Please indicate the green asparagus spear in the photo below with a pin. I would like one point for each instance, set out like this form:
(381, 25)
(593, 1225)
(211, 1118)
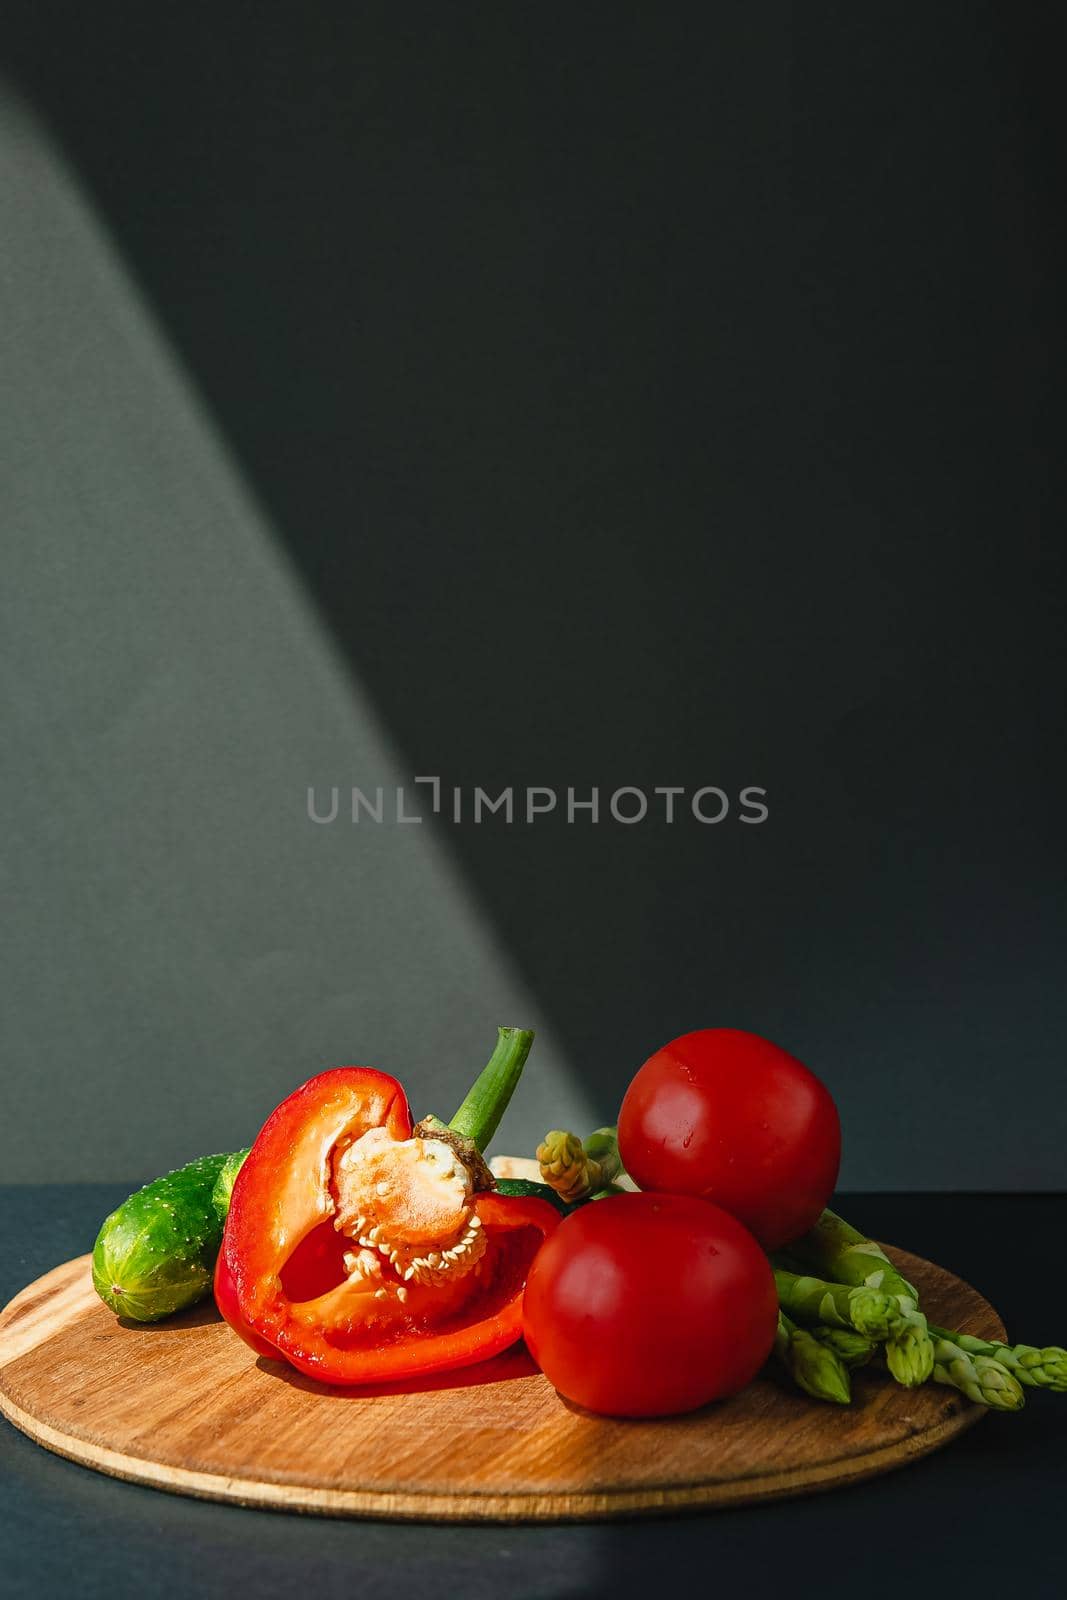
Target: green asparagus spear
(813, 1366)
(1037, 1369)
(844, 1255)
(909, 1350)
(578, 1168)
(563, 1165)
(868, 1311)
(853, 1348)
(980, 1377)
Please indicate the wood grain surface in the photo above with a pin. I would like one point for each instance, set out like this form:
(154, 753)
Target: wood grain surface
(183, 1405)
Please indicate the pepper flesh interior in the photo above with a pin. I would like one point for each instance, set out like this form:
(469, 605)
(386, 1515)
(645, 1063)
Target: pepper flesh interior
(412, 1202)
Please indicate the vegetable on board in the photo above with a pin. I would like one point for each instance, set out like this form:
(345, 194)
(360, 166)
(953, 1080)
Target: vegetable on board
(853, 1348)
(578, 1168)
(732, 1117)
(645, 1305)
(220, 1195)
(1036, 1368)
(813, 1364)
(526, 1189)
(982, 1379)
(868, 1311)
(156, 1253)
(839, 1252)
(361, 1248)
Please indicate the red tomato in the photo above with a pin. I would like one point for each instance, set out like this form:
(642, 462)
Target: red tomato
(730, 1116)
(644, 1305)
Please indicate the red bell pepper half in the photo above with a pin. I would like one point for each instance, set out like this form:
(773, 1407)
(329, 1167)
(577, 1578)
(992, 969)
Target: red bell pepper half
(359, 1250)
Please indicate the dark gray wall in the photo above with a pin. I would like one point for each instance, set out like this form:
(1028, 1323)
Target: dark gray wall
(656, 398)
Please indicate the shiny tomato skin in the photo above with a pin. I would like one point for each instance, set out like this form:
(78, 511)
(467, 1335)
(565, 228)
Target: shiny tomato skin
(734, 1118)
(646, 1305)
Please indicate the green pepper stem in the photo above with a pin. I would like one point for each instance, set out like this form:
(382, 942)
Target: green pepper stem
(479, 1116)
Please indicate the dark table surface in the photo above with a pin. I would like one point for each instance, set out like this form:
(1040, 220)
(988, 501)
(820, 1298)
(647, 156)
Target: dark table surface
(980, 1518)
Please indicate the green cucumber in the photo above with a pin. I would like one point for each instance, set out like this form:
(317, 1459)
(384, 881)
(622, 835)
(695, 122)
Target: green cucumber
(220, 1194)
(156, 1253)
(524, 1188)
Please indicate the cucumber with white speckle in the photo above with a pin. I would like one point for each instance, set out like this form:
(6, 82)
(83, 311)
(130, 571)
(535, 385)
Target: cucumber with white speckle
(220, 1195)
(156, 1253)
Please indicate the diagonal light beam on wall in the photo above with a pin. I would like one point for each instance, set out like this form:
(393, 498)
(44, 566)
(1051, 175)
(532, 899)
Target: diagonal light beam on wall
(182, 945)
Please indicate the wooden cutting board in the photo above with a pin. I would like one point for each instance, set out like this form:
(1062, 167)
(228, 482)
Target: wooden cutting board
(184, 1405)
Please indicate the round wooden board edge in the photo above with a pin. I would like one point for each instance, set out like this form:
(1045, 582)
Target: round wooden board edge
(573, 1506)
